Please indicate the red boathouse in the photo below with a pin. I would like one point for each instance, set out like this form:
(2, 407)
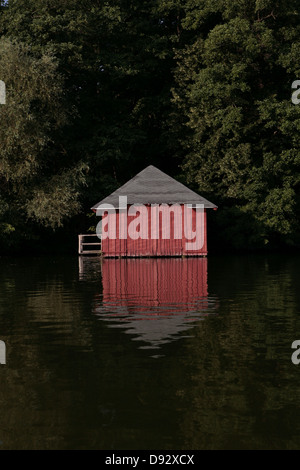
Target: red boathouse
(153, 215)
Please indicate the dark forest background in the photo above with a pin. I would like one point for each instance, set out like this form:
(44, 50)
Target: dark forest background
(98, 90)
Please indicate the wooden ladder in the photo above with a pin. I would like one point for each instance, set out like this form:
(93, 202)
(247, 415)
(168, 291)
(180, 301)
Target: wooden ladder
(82, 243)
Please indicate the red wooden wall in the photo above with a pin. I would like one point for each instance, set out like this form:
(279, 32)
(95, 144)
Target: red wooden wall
(120, 246)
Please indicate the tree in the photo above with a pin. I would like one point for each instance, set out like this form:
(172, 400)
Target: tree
(201, 82)
(36, 182)
(241, 129)
(115, 60)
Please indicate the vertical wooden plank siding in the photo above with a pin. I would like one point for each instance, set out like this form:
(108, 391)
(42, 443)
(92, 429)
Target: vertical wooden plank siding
(166, 244)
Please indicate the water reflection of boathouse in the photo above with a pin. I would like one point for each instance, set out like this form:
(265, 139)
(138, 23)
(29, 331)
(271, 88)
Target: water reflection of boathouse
(154, 299)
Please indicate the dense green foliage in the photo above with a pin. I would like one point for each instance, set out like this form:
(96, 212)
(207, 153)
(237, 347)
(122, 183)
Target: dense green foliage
(98, 90)
(233, 87)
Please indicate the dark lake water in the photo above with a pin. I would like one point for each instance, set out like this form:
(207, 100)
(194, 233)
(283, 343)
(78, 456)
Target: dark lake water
(150, 354)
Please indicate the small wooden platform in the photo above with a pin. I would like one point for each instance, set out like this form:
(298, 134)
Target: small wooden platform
(83, 242)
